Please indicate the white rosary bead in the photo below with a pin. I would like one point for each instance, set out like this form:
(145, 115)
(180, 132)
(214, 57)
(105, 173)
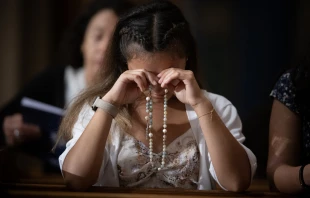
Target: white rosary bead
(149, 121)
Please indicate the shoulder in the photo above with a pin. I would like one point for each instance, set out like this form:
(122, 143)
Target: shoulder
(284, 83)
(285, 92)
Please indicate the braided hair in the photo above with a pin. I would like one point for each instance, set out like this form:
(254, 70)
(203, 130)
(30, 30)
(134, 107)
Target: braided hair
(158, 26)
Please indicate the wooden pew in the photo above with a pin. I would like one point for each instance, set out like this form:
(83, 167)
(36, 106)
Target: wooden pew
(44, 187)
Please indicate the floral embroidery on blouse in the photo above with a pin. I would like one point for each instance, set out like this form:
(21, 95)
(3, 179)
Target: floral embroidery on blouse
(285, 92)
(181, 166)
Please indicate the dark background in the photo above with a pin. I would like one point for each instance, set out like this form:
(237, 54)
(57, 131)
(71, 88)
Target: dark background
(243, 45)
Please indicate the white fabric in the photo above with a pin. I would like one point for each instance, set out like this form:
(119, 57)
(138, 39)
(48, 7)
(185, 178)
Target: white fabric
(74, 83)
(108, 175)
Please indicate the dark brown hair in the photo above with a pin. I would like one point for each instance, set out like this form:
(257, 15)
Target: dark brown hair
(157, 26)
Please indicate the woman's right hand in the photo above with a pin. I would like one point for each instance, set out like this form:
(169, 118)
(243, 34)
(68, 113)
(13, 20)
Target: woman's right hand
(129, 86)
(16, 131)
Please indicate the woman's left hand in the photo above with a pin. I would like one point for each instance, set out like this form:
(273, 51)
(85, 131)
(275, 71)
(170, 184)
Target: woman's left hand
(184, 85)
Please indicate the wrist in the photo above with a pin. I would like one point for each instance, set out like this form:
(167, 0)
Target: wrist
(306, 175)
(111, 100)
(105, 106)
(203, 107)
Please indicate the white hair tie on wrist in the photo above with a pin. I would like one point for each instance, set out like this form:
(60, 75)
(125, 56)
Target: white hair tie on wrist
(105, 106)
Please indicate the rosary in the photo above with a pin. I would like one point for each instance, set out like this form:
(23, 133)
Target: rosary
(149, 122)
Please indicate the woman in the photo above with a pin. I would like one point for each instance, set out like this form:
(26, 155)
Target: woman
(289, 132)
(82, 52)
(154, 126)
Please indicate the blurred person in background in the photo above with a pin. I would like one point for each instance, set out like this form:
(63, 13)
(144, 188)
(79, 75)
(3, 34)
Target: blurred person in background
(288, 167)
(81, 54)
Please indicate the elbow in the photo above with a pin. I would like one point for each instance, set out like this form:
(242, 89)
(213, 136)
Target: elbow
(239, 186)
(238, 182)
(77, 183)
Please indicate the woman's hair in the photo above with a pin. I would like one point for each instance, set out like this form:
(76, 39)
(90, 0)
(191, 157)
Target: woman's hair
(158, 26)
(70, 47)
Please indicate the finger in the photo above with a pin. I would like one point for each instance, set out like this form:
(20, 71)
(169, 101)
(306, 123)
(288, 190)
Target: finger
(30, 131)
(171, 76)
(163, 74)
(134, 76)
(153, 79)
(17, 118)
(6, 124)
(10, 124)
(139, 80)
(149, 76)
(16, 121)
(143, 78)
(179, 87)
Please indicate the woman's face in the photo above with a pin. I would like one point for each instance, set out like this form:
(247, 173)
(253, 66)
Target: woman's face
(97, 35)
(155, 63)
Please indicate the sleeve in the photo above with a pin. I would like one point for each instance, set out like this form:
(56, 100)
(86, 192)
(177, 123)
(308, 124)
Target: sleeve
(285, 92)
(230, 118)
(84, 118)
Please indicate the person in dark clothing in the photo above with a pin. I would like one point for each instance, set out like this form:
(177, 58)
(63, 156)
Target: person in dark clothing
(289, 134)
(81, 54)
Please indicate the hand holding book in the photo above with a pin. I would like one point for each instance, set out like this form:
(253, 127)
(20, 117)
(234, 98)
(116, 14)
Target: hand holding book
(17, 131)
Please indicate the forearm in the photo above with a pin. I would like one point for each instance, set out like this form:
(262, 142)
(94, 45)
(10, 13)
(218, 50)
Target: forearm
(84, 160)
(286, 178)
(229, 158)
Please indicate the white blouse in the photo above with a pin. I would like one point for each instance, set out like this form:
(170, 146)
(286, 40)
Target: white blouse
(109, 174)
(74, 83)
